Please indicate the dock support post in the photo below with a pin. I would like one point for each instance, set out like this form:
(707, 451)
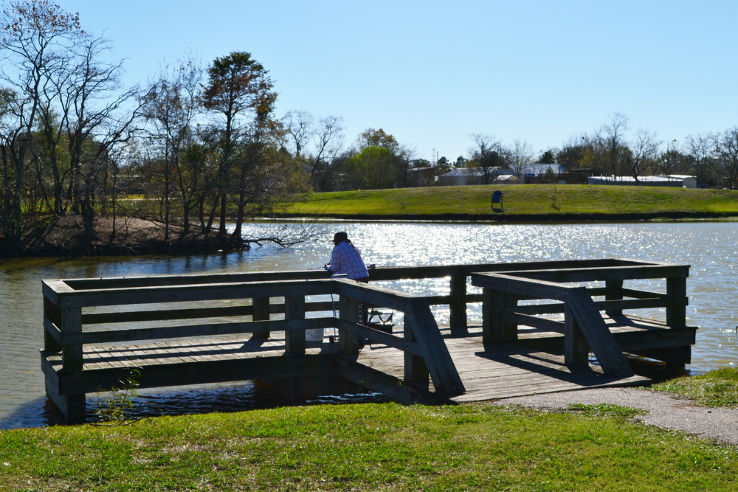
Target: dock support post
(74, 400)
(294, 310)
(614, 292)
(676, 317)
(349, 312)
(261, 313)
(576, 349)
(457, 305)
(416, 371)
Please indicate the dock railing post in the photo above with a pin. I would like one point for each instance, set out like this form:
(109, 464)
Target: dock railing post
(71, 330)
(576, 349)
(349, 312)
(496, 328)
(614, 292)
(261, 313)
(294, 310)
(416, 370)
(457, 304)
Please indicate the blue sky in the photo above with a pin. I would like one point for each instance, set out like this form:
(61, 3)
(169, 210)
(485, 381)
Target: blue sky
(432, 73)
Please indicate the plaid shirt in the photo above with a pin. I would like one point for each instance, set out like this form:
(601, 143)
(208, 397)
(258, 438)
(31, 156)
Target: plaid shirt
(345, 258)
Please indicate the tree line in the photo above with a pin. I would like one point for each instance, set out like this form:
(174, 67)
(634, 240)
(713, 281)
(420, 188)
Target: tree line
(377, 160)
(612, 150)
(206, 144)
(71, 137)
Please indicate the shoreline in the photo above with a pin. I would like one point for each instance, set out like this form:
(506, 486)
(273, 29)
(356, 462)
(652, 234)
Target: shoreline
(501, 217)
(130, 237)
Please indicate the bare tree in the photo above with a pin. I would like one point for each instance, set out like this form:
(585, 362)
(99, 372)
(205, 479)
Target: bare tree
(705, 162)
(672, 160)
(610, 143)
(100, 118)
(313, 146)
(521, 154)
(643, 151)
(327, 141)
(172, 104)
(298, 127)
(34, 35)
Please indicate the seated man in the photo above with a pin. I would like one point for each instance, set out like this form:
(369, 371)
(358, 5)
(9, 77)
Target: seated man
(346, 259)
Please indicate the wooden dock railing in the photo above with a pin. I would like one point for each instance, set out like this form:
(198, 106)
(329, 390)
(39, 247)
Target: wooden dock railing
(73, 339)
(458, 297)
(583, 325)
(86, 319)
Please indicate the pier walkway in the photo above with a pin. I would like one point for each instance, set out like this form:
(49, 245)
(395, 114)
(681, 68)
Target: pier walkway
(546, 326)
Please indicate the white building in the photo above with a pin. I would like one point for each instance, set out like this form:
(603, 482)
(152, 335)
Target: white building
(677, 180)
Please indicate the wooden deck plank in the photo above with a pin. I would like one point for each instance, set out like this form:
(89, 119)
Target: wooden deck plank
(183, 351)
(90, 359)
(509, 371)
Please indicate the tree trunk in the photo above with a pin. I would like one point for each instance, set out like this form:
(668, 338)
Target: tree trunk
(201, 212)
(237, 236)
(88, 221)
(211, 215)
(185, 215)
(166, 199)
(222, 226)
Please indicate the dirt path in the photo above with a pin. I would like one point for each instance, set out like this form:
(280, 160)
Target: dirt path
(664, 410)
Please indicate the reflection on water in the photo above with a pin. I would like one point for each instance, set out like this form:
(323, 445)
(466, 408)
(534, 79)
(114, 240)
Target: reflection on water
(709, 247)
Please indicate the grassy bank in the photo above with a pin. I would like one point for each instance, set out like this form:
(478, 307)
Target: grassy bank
(718, 388)
(368, 446)
(520, 200)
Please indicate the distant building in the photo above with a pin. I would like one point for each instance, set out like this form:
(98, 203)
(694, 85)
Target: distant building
(469, 176)
(677, 180)
(461, 176)
(530, 172)
(421, 176)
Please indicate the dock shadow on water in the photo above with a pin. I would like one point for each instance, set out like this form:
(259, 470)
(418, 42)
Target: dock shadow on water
(156, 402)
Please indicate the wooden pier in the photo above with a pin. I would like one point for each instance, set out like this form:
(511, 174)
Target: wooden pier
(542, 326)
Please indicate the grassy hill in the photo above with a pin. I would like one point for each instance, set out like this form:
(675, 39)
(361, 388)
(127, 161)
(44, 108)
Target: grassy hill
(564, 201)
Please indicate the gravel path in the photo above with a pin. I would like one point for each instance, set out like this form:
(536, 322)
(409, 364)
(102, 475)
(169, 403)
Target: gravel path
(664, 410)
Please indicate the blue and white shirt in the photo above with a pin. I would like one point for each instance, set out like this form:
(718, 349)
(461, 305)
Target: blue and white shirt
(346, 259)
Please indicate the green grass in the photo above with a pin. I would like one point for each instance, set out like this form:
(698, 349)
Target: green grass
(606, 410)
(519, 199)
(717, 388)
(367, 446)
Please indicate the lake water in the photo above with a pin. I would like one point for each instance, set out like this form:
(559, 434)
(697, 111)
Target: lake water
(709, 247)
